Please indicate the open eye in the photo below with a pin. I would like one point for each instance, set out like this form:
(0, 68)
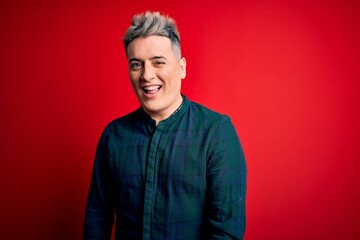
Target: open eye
(135, 65)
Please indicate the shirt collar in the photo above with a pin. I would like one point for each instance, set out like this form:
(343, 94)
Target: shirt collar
(175, 115)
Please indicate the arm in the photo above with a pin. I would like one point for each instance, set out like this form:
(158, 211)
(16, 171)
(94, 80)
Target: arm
(99, 216)
(226, 181)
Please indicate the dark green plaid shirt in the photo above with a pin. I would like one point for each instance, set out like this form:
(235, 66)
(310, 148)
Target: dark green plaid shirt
(182, 179)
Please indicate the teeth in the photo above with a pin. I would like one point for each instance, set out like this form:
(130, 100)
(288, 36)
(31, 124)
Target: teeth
(151, 88)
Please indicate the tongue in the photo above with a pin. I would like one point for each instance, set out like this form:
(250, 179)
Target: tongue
(152, 91)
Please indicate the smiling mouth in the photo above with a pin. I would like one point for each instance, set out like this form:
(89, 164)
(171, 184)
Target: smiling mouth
(151, 89)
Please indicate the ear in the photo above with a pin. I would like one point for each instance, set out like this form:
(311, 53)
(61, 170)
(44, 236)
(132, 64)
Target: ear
(182, 64)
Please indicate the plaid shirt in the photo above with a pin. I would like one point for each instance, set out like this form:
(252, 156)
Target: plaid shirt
(182, 179)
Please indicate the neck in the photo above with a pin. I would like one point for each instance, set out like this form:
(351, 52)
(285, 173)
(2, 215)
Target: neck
(160, 116)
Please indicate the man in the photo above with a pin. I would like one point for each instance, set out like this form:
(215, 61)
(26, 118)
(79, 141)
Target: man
(172, 169)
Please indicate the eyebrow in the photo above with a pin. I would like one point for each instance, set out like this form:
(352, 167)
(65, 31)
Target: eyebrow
(158, 57)
(134, 59)
(152, 58)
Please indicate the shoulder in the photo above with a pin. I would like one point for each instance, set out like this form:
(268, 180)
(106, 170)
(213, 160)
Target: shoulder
(217, 127)
(210, 122)
(123, 123)
(207, 116)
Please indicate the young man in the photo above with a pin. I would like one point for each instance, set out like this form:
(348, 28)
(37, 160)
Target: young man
(172, 169)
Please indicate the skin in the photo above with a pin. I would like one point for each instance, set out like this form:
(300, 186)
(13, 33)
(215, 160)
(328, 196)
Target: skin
(156, 74)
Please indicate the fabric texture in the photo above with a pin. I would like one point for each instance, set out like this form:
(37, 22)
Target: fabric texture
(182, 179)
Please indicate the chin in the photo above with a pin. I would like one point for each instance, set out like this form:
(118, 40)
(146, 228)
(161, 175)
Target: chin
(151, 109)
(149, 105)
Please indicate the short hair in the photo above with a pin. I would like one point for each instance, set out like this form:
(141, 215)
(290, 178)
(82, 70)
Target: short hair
(153, 23)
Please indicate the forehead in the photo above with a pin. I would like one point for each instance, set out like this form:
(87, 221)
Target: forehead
(146, 47)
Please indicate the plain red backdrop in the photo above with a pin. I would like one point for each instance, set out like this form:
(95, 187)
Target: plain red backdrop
(287, 72)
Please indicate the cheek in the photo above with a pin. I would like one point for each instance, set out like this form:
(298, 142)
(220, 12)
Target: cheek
(133, 79)
(173, 77)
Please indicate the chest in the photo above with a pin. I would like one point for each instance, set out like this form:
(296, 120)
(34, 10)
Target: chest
(173, 159)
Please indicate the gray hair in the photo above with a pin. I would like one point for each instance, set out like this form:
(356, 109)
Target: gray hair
(153, 23)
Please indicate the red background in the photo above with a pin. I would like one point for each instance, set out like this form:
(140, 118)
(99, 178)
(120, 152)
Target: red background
(287, 72)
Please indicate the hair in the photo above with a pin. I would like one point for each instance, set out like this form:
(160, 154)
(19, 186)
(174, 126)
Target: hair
(153, 23)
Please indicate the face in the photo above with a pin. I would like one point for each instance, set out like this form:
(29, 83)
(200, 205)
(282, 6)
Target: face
(155, 74)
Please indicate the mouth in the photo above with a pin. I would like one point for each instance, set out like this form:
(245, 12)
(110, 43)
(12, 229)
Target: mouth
(151, 89)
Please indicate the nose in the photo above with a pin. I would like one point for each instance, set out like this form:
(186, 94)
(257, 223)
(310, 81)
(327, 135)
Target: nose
(148, 72)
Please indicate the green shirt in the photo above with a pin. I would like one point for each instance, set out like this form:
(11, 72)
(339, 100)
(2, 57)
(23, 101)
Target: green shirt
(182, 179)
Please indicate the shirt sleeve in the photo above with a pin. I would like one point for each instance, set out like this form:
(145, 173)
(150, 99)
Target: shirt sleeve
(226, 184)
(99, 216)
